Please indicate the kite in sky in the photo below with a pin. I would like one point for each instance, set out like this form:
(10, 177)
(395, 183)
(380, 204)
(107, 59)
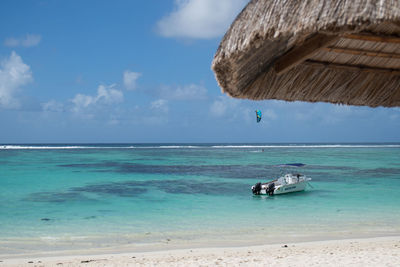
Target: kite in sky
(258, 113)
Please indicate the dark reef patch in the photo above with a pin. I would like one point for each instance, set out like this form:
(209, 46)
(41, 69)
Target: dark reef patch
(90, 217)
(225, 171)
(118, 189)
(55, 197)
(135, 188)
(379, 172)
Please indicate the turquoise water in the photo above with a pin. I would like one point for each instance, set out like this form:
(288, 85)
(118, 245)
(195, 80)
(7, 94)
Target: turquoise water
(76, 196)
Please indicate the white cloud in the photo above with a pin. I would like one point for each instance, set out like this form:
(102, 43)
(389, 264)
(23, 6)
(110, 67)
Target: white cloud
(130, 78)
(202, 19)
(14, 73)
(218, 108)
(159, 114)
(109, 96)
(27, 41)
(106, 95)
(270, 114)
(224, 104)
(160, 105)
(187, 92)
(53, 106)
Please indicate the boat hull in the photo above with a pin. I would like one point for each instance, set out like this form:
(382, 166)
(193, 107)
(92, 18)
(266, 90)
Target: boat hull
(283, 189)
(286, 184)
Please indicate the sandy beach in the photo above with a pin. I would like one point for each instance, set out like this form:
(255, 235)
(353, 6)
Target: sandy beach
(381, 251)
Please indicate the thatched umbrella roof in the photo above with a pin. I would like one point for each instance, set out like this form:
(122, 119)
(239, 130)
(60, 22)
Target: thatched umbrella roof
(337, 51)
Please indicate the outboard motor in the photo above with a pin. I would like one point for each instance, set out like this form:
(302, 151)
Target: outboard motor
(256, 189)
(270, 189)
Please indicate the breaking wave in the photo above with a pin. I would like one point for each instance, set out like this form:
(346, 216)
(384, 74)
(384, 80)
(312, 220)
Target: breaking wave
(197, 146)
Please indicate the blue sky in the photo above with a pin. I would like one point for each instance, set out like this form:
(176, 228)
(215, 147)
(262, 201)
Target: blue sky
(139, 71)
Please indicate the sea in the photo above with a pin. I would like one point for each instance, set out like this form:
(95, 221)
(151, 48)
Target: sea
(59, 197)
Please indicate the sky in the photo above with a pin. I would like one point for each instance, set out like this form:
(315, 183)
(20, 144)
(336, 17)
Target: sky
(140, 72)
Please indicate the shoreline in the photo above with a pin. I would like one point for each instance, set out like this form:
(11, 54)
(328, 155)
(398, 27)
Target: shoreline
(110, 244)
(355, 251)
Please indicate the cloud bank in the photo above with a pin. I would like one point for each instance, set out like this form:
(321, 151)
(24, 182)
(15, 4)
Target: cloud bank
(202, 19)
(14, 73)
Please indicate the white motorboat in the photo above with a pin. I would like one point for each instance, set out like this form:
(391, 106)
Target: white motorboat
(286, 184)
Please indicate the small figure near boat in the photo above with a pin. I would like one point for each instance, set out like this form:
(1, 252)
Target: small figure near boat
(286, 184)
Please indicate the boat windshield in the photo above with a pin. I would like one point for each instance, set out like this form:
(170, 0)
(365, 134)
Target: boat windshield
(290, 179)
(282, 181)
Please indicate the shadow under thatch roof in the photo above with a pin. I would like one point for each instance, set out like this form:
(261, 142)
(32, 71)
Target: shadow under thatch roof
(337, 51)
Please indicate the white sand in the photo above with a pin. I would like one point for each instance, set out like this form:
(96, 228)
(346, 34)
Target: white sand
(382, 251)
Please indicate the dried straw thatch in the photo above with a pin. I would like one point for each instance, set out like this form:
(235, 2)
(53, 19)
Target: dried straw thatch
(337, 51)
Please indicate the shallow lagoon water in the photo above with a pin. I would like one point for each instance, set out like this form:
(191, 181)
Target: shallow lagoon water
(76, 196)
